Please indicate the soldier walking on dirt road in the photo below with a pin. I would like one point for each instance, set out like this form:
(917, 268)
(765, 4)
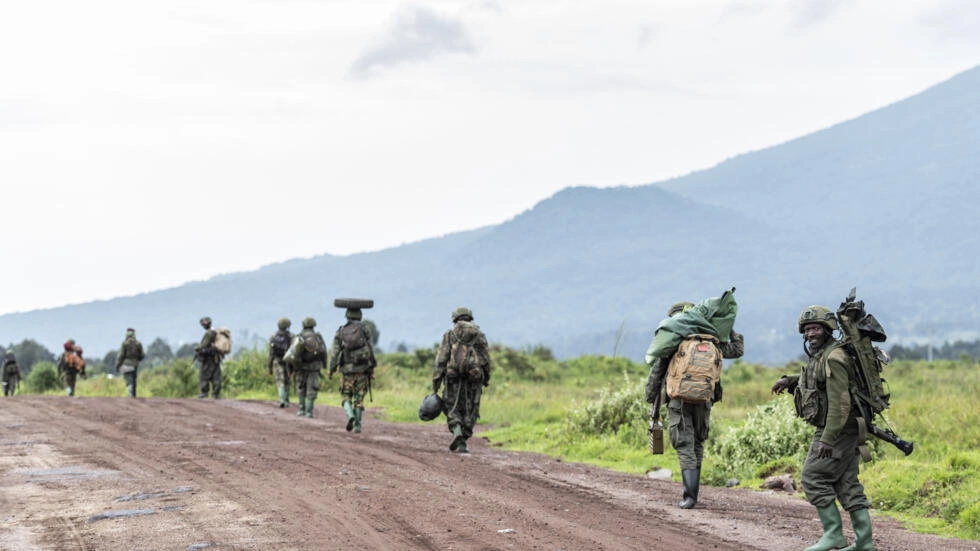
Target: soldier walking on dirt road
(353, 356)
(821, 395)
(210, 359)
(463, 362)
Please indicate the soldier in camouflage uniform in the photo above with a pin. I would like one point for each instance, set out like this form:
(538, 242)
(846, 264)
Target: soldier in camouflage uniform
(688, 423)
(463, 362)
(11, 373)
(128, 360)
(210, 360)
(70, 367)
(309, 356)
(822, 398)
(278, 346)
(353, 355)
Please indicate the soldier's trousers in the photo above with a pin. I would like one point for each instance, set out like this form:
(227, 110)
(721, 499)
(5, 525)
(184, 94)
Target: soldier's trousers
(825, 479)
(130, 379)
(10, 384)
(211, 377)
(462, 402)
(283, 373)
(688, 429)
(69, 377)
(307, 383)
(354, 387)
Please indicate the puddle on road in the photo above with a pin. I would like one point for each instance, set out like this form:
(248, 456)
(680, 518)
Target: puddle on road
(68, 473)
(124, 513)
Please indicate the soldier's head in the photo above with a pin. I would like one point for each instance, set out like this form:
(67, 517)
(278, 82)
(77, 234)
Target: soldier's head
(206, 322)
(130, 333)
(284, 324)
(678, 307)
(817, 325)
(462, 314)
(353, 314)
(69, 347)
(77, 349)
(309, 323)
(10, 356)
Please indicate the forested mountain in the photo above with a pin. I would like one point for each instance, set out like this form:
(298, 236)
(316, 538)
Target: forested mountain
(885, 202)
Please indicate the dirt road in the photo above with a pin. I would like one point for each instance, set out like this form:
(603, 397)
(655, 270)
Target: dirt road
(121, 474)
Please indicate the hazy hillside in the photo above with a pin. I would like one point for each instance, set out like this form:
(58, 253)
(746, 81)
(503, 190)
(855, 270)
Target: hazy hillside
(885, 202)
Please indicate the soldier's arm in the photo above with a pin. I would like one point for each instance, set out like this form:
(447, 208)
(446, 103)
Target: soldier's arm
(121, 355)
(483, 349)
(735, 346)
(335, 353)
(838, 396)
(655, 379)
(441, 360)
(139, 352)
(370, 345)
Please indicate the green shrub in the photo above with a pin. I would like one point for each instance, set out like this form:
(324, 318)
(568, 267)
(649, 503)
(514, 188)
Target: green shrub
(42, 378)
(177, 379)
(246, 374)
(608, 413)
(770, 433)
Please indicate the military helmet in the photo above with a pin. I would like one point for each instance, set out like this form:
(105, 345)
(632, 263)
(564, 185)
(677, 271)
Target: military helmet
(309, 323)
(205, 320)
(353, 314)
(678, 307)
(431, 407)
(284, 324)
(818, 314)
(462, 313)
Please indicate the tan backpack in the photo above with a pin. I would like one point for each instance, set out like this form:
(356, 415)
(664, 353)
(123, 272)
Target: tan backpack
(222, 341)
(694, 369)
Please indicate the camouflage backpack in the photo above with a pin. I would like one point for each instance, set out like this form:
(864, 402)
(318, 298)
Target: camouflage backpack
(354, 341)
(463, 358)
(313, 347)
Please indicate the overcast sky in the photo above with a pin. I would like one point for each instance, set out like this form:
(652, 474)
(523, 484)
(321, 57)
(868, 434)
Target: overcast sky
(146, 144)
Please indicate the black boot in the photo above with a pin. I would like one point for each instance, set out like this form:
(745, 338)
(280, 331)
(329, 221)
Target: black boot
(692, 483)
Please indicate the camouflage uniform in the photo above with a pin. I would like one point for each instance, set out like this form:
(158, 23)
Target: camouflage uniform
(463, 362)
(355, 366)
(307, 367)
(276, 365)
(11, 374)
(210, 360)
(821, 394)
(68, 372)
(128, 361)
(689, 424)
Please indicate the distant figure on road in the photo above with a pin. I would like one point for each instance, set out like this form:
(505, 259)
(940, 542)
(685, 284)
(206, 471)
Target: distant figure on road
(822, 398)
(70, 366)
(11, 373)
(353, 355)
(210, 360)
(128, 360)
(463, 362)
(278, 346)
(308, 354)
(687, 346)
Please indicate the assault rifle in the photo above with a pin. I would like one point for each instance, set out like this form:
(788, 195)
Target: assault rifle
(656, 430)
(860, 329)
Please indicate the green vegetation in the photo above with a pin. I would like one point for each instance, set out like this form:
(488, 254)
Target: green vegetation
(591, 409)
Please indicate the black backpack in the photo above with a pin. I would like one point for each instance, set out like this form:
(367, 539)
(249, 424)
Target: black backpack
(280, 343)
(353, 337)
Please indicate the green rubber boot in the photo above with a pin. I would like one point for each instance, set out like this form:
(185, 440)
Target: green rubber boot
(302, 405)
(861, 520)
(833, 536)
(349, 410)
(357, 419)
(457, 438)
(283, 397)
(461, 448)
(309, 408)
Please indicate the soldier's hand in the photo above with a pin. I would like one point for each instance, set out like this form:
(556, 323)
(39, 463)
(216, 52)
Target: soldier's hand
(781, 385)
(824, 450)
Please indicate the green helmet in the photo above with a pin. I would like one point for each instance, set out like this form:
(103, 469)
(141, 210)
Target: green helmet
(309, 323)
(206, 320)
(462, 313)
(353, 314)
(284, 324)
(818, 314)
(678, 307)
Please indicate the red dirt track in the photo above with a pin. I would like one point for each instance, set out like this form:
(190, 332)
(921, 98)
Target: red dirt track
(122, 474)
